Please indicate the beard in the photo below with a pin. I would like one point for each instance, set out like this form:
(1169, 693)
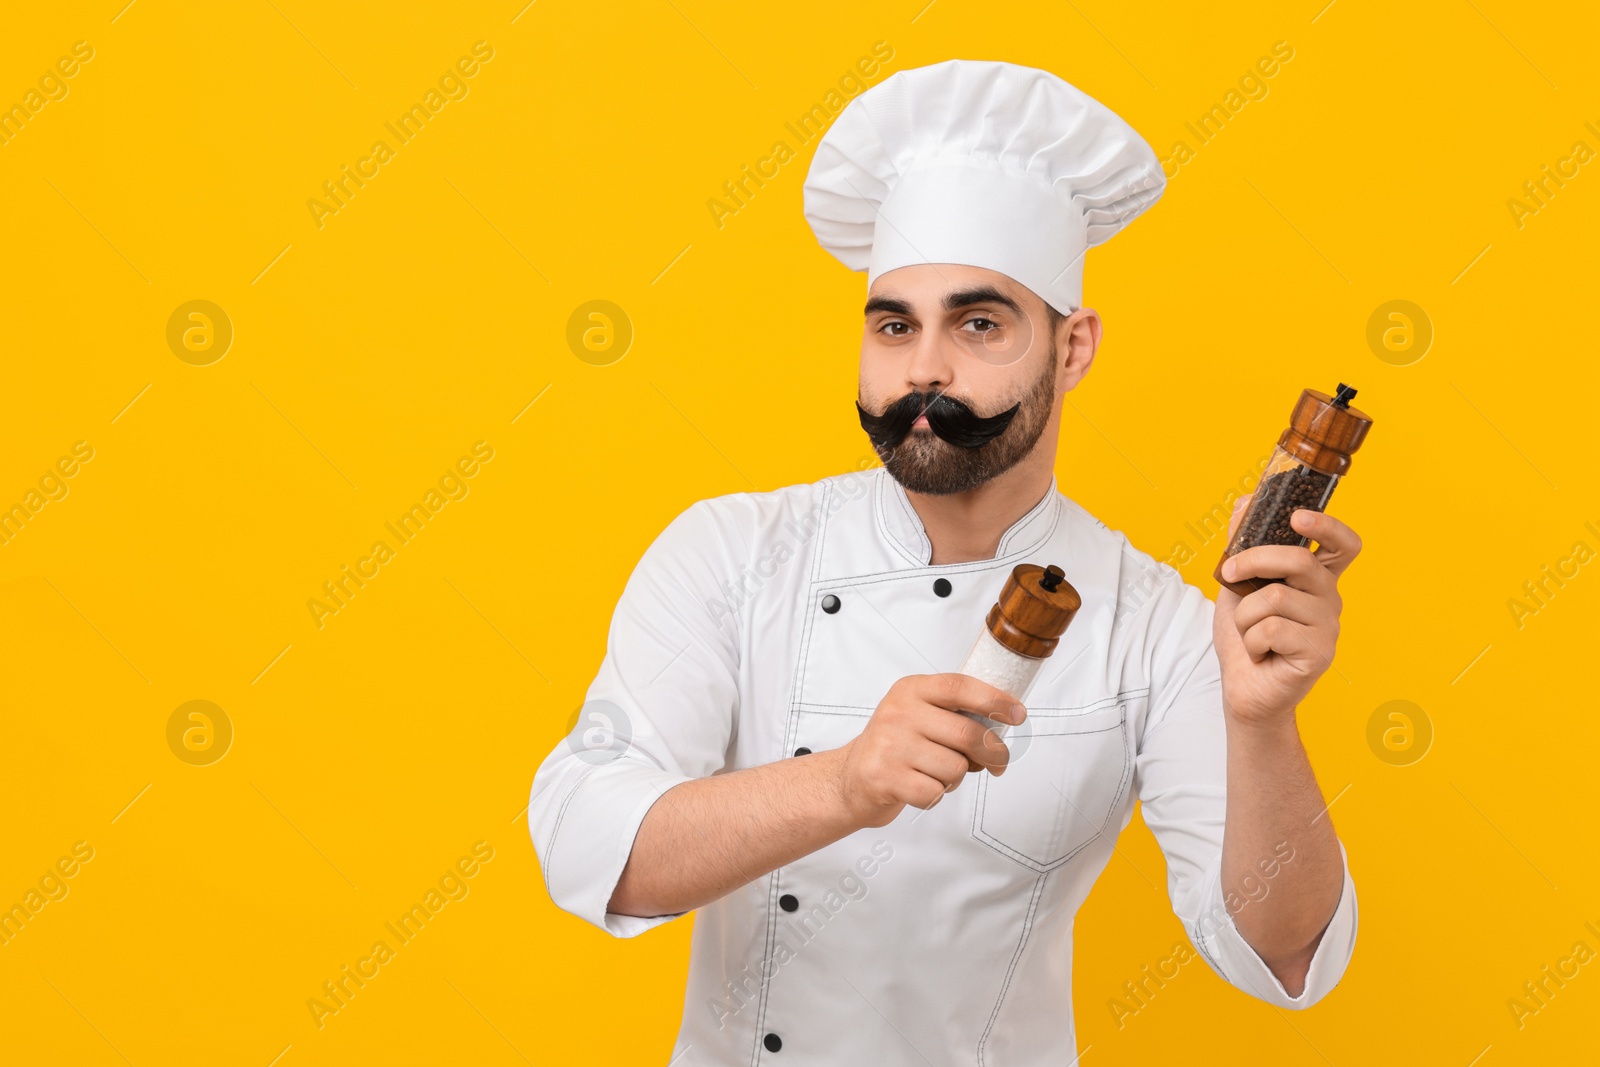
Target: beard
(923, 461)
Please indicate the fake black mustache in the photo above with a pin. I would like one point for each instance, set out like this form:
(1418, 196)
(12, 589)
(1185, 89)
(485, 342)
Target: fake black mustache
(948, 418)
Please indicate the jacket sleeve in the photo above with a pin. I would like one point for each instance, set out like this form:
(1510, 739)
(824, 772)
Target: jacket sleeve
(1181, 775)
(660, 711)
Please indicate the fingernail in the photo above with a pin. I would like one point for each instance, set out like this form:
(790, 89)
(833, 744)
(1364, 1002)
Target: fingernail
(1228, 569)
(1017, 712)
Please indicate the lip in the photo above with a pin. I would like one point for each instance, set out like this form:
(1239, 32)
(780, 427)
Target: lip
(921, 420)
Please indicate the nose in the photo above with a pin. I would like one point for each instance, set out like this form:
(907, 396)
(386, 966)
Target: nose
(930, 363)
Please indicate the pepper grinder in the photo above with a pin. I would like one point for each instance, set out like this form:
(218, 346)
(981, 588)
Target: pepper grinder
(1311, 457)
(1022, 629)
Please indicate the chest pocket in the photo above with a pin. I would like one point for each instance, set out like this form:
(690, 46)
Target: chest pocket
(1069, 773)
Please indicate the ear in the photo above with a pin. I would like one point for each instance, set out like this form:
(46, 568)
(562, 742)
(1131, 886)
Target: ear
(1077, 339)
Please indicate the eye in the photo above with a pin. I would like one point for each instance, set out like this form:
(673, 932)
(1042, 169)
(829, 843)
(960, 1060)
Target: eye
(980, 324)
(895, 328)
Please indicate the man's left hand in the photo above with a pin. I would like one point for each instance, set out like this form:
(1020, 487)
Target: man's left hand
(1274, 644)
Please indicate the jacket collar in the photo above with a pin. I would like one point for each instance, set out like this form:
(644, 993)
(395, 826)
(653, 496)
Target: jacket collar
(899, 524)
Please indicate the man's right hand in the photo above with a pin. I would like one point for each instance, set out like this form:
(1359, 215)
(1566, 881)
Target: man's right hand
(915, 748)
(708, 836)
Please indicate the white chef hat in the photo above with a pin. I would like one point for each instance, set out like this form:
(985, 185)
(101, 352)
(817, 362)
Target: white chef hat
(984, 164)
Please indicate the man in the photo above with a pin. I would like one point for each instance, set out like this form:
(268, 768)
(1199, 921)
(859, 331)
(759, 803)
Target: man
(772, 736)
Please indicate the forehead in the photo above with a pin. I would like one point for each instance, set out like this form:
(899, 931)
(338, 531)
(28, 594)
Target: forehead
(925, 284)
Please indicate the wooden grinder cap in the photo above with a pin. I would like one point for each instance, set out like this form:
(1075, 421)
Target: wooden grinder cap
(1034, 609)
(1324, 430)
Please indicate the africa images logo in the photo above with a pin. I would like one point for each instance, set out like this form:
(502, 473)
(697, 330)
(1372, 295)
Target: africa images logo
(599, 732)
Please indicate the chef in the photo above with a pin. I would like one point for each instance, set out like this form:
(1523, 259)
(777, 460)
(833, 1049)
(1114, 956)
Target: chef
(772, 738)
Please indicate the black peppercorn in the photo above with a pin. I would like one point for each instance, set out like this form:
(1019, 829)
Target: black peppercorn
(1311, 457)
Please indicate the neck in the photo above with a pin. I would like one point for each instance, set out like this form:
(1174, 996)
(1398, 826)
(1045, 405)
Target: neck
(965, 527)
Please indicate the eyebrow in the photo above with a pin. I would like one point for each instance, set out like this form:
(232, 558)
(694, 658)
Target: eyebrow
(884, 303)
(979, 294)
(954, 300)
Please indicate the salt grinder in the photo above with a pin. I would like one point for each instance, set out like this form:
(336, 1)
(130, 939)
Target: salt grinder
(1022, 629)
(1311, 456)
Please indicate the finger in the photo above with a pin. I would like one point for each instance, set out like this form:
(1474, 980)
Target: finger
(1337, 544)
(979, 744)
(973, 738)
(995, 754)
(1226, 601)
(1293, 604)
(1276, 635)
(936, 761)
(921, 785)
(1295, 565)
(962, 692)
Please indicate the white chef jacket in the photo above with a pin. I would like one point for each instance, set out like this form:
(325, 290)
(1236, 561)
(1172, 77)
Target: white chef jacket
(944, 937)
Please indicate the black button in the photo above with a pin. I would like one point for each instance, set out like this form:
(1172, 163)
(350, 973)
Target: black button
(802, 751)
(773, 1042)
(941, 587)
(830, 604)
(789, 902)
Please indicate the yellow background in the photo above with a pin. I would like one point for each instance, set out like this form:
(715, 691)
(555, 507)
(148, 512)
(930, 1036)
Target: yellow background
(431, 310)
